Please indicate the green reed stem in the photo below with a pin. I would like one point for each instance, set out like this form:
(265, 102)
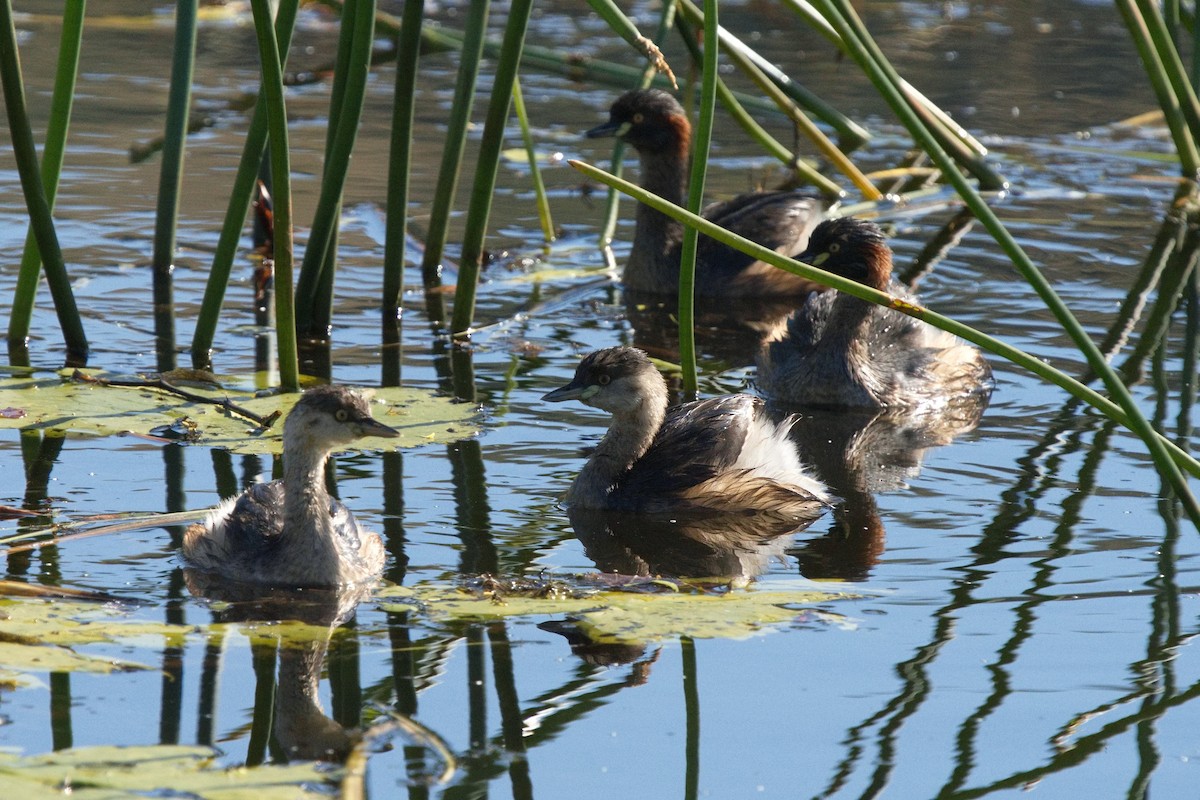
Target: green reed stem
(408, 54)
(851, 135)
(320, 327)
(729, 101)
(1184, 131)
(806, 126)
(666, 21)
(52, 159)
(883, 75)
(1002, 349)
(1172, 62)
(490, 145)
(314, 289)
(695, 201)
(40, 218)
(271, 96)
(170, 177)
(235, 212)
(809, 14)
(535, 172)
(456, 138)
(624, 27)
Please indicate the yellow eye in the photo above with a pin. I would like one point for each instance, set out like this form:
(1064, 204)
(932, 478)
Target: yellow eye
(603, 379)
(342, 415)
(834, 247)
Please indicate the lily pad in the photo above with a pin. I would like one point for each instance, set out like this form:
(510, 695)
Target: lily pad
(136, 772)
(39, 403)
(35, 635)
(616, 616)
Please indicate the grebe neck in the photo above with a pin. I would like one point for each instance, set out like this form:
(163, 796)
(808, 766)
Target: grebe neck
(655, 235)
(629, 437)
(306, 521)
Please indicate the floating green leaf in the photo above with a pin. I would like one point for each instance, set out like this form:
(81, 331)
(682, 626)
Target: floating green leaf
(68, 622)
(134, 772)
(35, 636)
(93, 408)
(616, 616)
(32, 657)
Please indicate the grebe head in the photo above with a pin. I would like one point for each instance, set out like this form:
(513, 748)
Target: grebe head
(328, 417)
(617, 380)
(853, 248)
(649, 119)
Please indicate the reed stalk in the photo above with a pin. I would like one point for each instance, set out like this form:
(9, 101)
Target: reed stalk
(240, 195)
(666, 21)
(408, 54)
(314, 289)
(170, 179)
(487, 166)
(53, 151)
(828, 149)
(802, 169)
(1004, 350)
(271, 95)
(702, 141)
(1160, 67)
(456, 139)
(40, 218)
(883, 75)
(535, 172)
(624, 27)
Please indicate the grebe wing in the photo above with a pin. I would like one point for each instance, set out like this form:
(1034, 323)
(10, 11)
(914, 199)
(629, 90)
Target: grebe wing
(256, 517)
(696, 441)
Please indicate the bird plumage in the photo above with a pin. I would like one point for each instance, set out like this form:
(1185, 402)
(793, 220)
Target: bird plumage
(292, 532)
(653, 122)
(721, 454)
(841, 351)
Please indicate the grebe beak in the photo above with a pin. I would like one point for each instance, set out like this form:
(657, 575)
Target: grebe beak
(373, 427)
(572, 391)
(610, 128)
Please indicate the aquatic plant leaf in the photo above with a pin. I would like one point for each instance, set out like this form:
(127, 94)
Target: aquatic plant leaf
(628, 616)
(70, 622)
(31, 657)
(12, 679)
(117, 772)
(35, 635)
(60, 403)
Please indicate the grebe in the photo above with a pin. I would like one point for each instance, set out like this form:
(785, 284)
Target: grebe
(292, 533)
(720, 454)
(840, 351)
(653, 122)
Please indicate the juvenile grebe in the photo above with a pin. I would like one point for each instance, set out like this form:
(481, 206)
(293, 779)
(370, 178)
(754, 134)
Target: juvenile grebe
(721, 454)
(292, 533)
(840, 351)
(654, 123)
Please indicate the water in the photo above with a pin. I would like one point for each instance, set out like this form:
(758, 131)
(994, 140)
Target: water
(1024, 618)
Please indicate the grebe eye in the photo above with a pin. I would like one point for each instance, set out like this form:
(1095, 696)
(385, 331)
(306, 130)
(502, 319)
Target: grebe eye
(638, 117)
(834, 247)
(603, 379)
(341, 415)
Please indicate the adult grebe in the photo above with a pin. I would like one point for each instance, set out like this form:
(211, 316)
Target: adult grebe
(721, 454)
(840, 351)
(654, 123)
(292, 533)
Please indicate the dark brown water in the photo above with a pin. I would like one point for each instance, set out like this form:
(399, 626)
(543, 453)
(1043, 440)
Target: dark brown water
(1026, 624)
